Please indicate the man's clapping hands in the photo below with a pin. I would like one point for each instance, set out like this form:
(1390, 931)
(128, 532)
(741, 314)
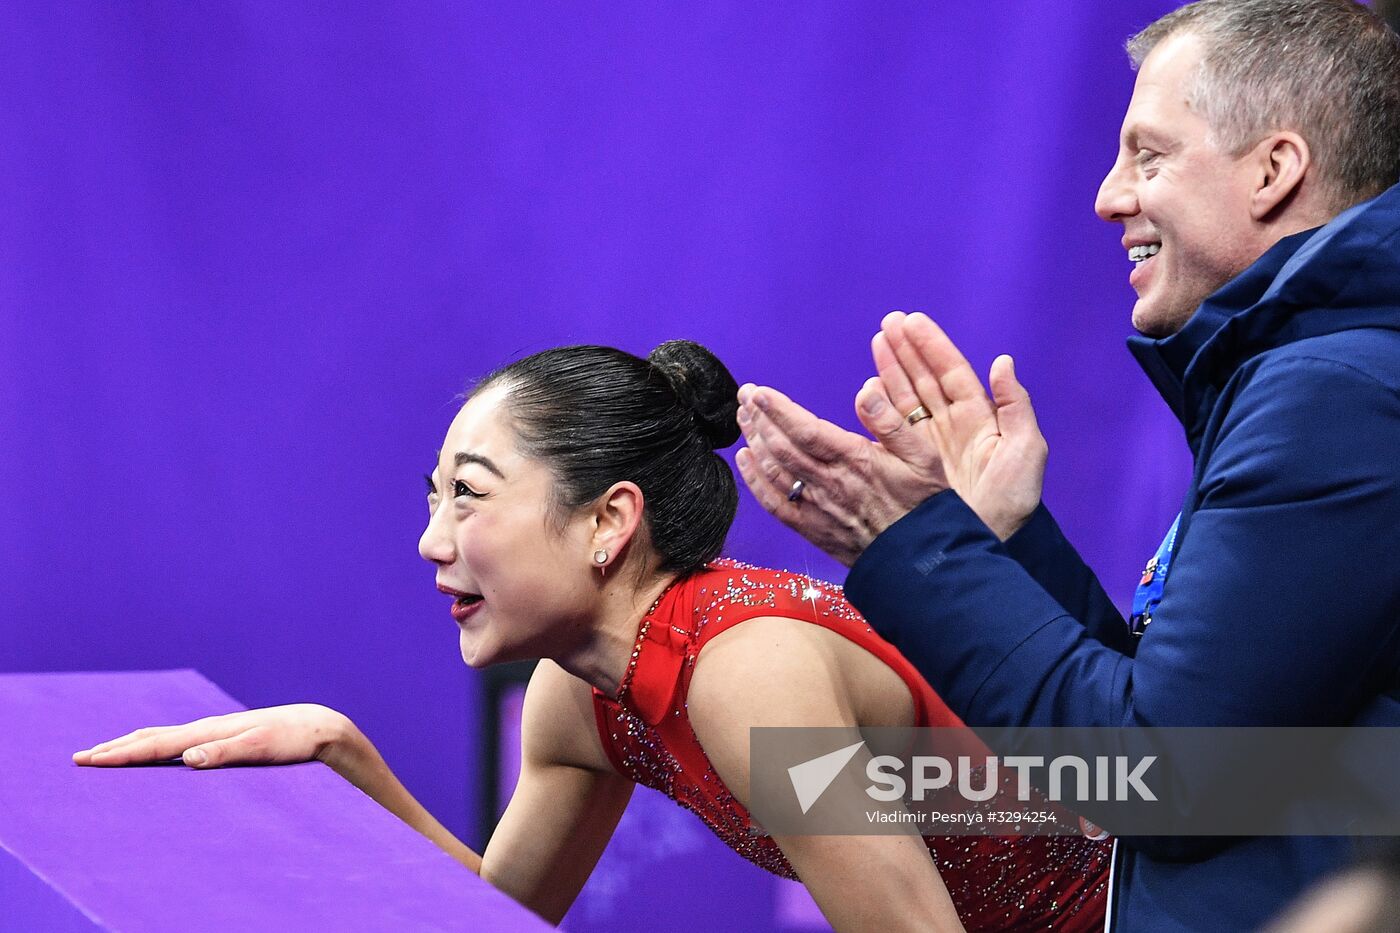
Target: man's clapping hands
(934, 428)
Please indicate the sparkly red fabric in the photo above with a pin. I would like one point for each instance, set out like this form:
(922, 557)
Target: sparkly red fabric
(996, 882)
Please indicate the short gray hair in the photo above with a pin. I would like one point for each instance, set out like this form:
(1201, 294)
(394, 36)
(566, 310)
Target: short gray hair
(1328, 70)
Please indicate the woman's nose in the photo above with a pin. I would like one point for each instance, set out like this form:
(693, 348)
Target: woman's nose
(436, 544)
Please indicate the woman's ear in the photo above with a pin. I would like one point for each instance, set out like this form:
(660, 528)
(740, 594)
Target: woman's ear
(616, 517)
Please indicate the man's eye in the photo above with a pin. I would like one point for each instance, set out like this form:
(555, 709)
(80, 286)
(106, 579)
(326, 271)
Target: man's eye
(460, 489)
(1146, 156)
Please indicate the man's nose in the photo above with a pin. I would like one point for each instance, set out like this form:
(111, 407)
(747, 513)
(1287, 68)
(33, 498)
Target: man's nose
(1117, 197)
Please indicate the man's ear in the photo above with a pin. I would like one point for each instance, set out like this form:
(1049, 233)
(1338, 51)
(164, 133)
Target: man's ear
(617, 515)
(1283, 161)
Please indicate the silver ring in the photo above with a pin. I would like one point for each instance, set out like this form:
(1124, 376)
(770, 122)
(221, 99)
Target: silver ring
(795, 492)
(917, 415)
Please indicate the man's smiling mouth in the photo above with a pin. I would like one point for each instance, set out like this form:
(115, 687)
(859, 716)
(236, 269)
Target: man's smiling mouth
(1140, 254)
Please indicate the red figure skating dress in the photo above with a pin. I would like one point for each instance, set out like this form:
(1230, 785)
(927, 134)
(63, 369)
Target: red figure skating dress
(996, 882)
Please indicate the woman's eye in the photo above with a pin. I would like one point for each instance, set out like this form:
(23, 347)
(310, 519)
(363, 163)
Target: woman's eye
(460, 489)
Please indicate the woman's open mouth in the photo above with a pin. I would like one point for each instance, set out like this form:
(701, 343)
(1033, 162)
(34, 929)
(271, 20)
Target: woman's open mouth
(463, 604)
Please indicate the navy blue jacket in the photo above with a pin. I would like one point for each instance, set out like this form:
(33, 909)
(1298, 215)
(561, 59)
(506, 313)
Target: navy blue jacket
(1282, 604)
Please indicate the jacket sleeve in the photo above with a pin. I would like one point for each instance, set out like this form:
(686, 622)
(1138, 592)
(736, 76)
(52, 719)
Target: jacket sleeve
(1281, 607)
(1042, 548)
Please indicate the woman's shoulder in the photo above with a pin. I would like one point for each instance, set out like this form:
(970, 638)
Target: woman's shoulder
(777, 670)
(798, 635)
(772, 671)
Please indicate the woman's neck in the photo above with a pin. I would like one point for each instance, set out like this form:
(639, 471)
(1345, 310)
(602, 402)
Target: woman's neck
(600, 659)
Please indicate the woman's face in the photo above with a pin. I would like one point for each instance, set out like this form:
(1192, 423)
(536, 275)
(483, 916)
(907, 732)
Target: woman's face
(522, 586)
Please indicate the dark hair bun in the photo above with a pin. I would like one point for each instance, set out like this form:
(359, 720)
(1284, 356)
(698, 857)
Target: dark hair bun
(599, 415)
(704, 385)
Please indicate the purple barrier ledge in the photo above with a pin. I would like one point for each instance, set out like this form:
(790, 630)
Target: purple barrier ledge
(168, 848)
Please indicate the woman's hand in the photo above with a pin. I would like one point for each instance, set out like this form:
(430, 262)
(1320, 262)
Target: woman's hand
(278, 735)
(281, 735)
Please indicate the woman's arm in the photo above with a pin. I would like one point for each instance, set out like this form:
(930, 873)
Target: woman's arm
(564, 809)
(783, 672)
(566, 804)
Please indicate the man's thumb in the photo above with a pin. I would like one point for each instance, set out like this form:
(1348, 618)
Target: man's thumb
(1015, 416)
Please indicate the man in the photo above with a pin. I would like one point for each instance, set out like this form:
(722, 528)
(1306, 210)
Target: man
(1253, 184)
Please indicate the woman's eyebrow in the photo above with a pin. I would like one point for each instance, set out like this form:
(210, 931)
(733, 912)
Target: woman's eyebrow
(463, 457)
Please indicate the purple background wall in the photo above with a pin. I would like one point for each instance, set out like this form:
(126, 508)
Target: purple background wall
(250, 252)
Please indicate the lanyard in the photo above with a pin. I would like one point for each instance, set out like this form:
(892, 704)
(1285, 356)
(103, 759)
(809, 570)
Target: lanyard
(1154, 578)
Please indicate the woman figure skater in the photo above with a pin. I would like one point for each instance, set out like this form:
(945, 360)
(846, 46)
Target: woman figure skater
(576, 514)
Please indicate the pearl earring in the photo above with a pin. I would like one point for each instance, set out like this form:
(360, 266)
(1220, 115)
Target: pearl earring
(600, 556)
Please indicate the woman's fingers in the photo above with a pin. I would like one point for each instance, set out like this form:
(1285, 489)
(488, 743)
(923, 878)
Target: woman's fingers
(250, 747)
(82, 756)
(158, 743)
(141, 741)
(276, 735)
(198, 749)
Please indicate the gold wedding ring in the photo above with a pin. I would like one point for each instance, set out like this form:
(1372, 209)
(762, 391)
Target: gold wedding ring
(917, 415)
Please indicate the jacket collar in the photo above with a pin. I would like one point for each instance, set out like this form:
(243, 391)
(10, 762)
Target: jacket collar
(1336, 277)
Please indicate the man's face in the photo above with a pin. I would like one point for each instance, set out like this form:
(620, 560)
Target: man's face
(1184, 205)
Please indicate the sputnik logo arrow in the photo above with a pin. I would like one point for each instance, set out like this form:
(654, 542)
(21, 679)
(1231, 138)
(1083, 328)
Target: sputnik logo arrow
(811, 778)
